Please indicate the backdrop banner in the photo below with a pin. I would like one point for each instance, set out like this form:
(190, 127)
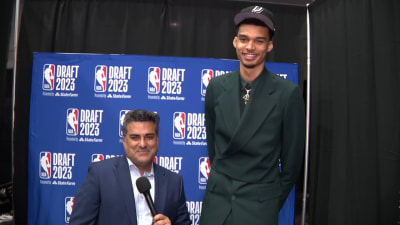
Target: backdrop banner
(78, 102)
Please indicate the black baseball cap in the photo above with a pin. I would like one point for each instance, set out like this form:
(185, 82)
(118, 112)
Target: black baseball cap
(256, 12)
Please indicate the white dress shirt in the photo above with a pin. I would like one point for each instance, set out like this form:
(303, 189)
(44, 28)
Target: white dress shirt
(143, 213)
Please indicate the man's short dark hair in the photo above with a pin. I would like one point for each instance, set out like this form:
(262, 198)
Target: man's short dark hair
(140, 115)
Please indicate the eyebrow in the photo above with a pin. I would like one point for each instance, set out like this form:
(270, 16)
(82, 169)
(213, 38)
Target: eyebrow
(243, 35)
(147, 134)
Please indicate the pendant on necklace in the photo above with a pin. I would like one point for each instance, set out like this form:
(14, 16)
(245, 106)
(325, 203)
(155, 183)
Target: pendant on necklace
(246, 97)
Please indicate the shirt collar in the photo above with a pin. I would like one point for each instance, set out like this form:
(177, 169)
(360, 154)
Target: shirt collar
(254, 83)
(134, 167)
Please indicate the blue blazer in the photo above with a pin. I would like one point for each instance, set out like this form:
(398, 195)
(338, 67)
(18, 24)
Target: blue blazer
(106, 195)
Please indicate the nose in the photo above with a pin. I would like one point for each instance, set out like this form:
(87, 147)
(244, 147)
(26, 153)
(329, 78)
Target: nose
(250, 45)
(142, 142)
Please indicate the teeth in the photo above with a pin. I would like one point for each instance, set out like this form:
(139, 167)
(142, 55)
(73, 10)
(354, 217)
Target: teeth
(250, 56)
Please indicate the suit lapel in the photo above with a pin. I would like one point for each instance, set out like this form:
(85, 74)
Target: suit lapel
(161, 189)
(229, 104)
(260, 105)
(121, 171)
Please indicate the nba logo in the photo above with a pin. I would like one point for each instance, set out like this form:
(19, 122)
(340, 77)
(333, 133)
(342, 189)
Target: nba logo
(204, 169)
(45, 165)
(97, 157)
(72, 122)
(153, 83)
(179, 125)
(206, 76)
(100, 80)
(155, 159)
(48, 77)
(69, 206)
(121, 121)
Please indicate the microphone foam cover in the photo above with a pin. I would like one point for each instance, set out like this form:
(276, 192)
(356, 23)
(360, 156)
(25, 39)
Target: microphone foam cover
(143, 184)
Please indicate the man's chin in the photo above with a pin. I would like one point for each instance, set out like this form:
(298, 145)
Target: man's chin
(144, 161)
(249, 66)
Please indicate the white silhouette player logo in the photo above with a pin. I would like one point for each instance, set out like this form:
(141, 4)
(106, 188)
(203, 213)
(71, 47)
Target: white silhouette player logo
(101, 78)
(205, 167)
(72, 120)
(154, 78)
(49, 76)
(206, 79)
(179, 124)
(45, 164)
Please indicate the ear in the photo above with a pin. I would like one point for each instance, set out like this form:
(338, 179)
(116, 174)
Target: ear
(270, 46)
(234, 41)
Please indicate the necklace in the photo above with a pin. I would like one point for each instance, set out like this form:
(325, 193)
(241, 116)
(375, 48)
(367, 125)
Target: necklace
(246, 97)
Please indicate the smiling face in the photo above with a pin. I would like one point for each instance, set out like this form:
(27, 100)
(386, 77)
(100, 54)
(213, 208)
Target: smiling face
(252, 44)
(141, 144)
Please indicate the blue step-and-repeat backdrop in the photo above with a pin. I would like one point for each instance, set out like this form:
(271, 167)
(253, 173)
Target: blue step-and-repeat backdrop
(78, 102)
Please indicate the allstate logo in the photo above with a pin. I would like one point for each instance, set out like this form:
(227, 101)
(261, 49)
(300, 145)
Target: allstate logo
(48, 77)
(100, 80)
(153, 83)
(204, 169)
(69, 206)
(179, 125)
(45, 165)
(72, 122)
(206, 76)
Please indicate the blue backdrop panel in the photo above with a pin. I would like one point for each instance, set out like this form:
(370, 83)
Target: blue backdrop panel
(78, 102)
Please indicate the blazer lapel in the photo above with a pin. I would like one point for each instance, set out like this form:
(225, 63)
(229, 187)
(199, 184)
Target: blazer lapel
(260, 105)
(123, 176)
(229, 104)
(161, 189)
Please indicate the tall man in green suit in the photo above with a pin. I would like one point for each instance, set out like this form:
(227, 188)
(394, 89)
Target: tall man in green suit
(255, 121)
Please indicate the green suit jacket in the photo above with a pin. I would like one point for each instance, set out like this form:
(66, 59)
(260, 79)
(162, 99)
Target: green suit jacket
(245, 150)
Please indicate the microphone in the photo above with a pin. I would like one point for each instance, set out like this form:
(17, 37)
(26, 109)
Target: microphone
(143, 185)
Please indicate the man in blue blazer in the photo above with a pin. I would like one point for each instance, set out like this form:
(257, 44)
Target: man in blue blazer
(109, 195)
(255, 126)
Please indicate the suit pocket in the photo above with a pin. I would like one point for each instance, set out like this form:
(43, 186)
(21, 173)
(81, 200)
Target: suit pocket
(218, 183)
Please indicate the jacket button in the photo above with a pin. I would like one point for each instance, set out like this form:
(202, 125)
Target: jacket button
(233, 197)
